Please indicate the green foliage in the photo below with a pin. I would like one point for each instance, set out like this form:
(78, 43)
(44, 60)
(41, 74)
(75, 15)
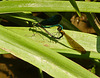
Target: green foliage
(91, 19)
(75, 6)
(42, 57)
(53, 6)
(48, 54)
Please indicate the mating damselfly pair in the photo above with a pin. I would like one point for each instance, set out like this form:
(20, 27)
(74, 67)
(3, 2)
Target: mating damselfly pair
(52, 22)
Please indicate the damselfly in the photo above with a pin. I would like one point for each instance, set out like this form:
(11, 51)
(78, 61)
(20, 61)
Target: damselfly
(52, 22)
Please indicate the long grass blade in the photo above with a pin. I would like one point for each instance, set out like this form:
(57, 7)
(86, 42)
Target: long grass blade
(44, 58)
(89, 42)
(52, 6)
(91, 19)
(75, 6)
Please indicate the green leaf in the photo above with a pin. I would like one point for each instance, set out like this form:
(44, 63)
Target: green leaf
(91, 19)
(18, 22)
(3, 51)
(44, 58)
(89, 42)
(51, 6)
(75, 6)
(22, 19)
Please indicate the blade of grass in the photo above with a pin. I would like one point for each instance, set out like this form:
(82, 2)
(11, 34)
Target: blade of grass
(40, 73)
(87, 0)
(26, 17)
(75, 6)
(49, 61)
(66, 52)
(75, 54)
(71, 53)
(51, 6)
(3, 51)
(18, 22)
(21, 17)
(88, 41)
(91, 19)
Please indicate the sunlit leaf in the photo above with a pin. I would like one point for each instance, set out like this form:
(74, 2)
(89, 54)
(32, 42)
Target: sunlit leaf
(44, 58)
